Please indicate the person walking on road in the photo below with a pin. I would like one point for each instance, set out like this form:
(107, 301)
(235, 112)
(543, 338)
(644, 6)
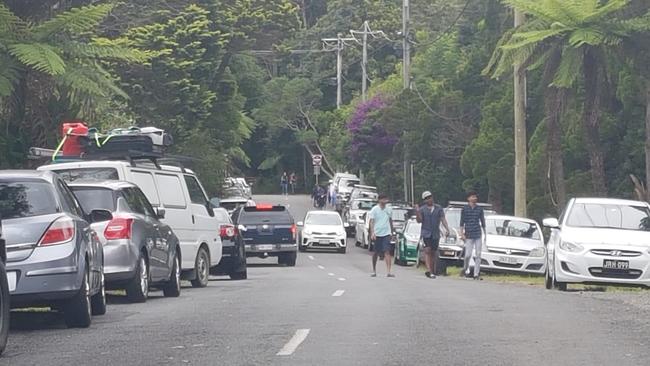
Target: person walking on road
(430, 216)
(284, 181)
(381, 232)
(472, 224)
(332, 194)
(292, 181)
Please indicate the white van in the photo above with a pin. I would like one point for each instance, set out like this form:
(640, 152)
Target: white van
(175, 190)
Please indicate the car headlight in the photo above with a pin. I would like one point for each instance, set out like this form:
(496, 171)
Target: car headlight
(570, 247)
(306, 232)
(538, 252)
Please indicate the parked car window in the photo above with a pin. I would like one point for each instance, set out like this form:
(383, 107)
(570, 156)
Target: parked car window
(611, 216)
(134, 202)
(316, 219)
(145, 181)
(94, 198)
(196, 193)
(362, 205)
(512, 228)
(144, 202)
(26, 199)
(69, 202)
(171, 190)
(70, 175)
(222, 216)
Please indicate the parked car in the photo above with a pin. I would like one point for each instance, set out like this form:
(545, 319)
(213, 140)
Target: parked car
(450, 250)
(408, 242)
(513, 244)
(322, 230)
(362, 239)
(354, 210)
(401, 214)
(173, 189)
(237, 187)
(140, 251)
(233, 259)
(268, 231)
(343, 185)
(361, 191)
(232, 203)
(4, 294)
(599, 241)
(54, 258)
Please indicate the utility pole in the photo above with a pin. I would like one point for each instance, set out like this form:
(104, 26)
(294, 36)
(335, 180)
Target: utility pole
(340, 43)
(365, 32)
(406, 45)
(520, 131)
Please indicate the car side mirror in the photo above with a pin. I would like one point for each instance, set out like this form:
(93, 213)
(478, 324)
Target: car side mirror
(345, 224)
(160, 213)
(242, 228)
(300, 223)
(551, 222)
(100, 215)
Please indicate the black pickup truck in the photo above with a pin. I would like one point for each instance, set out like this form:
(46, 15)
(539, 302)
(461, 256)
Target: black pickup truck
(268, 231)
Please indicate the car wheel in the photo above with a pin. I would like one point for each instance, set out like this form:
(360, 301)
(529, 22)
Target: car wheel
(548, 281)
(562, 286)
(4, 308)
(302, 248)
(202, 269)
(173, 287)
(289, 259)
(240, 275)
(137, 290)
(77, 312)
(98, 301)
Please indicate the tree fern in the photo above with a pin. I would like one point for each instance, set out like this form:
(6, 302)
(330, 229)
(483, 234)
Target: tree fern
(39, 56)
(75, 21)
(9, 74)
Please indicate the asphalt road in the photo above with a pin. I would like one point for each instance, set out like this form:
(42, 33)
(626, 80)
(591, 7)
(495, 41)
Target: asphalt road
(328, 311)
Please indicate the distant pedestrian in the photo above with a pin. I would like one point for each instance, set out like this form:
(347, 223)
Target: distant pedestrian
(431, 216)
(292, 181)
(332, 194)
(472, 224)
(381, 233)
(314, 195)
(284, 181)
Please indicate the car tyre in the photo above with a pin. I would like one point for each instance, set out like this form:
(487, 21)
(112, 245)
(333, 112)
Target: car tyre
(288, 259)
(241, 271)
(137, 290)
(98, 301)
(302, 248)
(202, 269)
(548, 280)
(173, 287)
(77, 312)
(4, 308)
(562, 286)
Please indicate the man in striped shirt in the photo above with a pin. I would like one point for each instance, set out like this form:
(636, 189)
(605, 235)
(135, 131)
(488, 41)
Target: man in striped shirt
(472, 224)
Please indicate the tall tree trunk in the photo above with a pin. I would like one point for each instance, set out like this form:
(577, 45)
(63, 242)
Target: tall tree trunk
(520, 139)
(647, 136)
(591, 121)
(303, 11)
(554, 105)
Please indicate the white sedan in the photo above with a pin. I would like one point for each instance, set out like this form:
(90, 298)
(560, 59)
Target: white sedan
(600, 241)
(322, 230)
(513, 244)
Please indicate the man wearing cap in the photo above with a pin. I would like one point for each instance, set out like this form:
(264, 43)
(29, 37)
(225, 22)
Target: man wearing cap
(472, 223)
(430, 216)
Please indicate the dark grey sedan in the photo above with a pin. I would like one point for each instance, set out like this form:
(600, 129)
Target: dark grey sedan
(140, 251)
(54, 258)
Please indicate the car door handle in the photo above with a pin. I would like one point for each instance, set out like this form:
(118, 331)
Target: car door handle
(193, 221)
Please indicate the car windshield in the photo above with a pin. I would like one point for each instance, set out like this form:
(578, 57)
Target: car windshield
(413, 229)
(26, 199)
(94, 199)
(362, 205)
(323, 219)
(512, 228)
(610, 216)
(71, 175)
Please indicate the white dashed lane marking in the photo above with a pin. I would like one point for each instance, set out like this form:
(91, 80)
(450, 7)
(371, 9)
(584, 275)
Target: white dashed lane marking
(338, 293)
(320, 267)
(294, 342)
(330, 274)
(311, 257)
(341, 279)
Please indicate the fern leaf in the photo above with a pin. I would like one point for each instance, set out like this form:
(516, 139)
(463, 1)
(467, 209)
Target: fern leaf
(77, 20)
(570, 67)
(38, 56)
(105, 51)
(520, 40)
(9, 22)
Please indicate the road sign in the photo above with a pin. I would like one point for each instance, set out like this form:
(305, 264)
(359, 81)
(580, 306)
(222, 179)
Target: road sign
(316, 169)
(317, 159)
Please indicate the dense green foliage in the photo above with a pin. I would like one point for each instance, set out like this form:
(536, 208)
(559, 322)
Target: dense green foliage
(246, 86)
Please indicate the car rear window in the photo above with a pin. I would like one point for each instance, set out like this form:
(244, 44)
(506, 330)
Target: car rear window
(26, 199)
(71, 175)
(94, 198)
(251, 216)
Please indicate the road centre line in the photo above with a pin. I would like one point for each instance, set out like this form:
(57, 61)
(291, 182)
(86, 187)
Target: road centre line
(311, 257)
(338, 293)
(330, 274)
(320, 267)
(294, 342)
(341, 279)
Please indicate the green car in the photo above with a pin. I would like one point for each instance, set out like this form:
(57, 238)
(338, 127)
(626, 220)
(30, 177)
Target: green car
(406, 249)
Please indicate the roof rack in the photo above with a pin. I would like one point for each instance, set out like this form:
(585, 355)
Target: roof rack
(463, 204)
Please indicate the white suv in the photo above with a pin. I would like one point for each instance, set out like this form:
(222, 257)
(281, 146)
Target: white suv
(601, 241)
(175, 191)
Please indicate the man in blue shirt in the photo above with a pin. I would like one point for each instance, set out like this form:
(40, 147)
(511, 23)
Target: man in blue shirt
(381, 232)
(472, 224)
(431, 216)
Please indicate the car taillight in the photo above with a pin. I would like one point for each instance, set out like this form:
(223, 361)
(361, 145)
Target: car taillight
(264, 207)
(293, 230)
(228, 231)
(60, 231)
(118, 228)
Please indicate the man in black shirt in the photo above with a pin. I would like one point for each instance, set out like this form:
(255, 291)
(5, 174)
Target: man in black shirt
(472, 224)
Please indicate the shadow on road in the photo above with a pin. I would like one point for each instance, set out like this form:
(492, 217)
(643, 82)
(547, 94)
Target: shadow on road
(36, 320)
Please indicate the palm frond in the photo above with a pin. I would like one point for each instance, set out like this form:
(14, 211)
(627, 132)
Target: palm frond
(10, 24)
(89, 81)
(103, 49)
(9, 75)
(541, 9)
(523, 39)
(605, 10)
(39, 56)
(75, 21)
(570, 67)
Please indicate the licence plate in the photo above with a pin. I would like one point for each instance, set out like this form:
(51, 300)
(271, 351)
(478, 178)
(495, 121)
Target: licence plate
(508, 260)
(449, 253)
(264, 247)
(323, 242)
(11, 280)
(614, 264)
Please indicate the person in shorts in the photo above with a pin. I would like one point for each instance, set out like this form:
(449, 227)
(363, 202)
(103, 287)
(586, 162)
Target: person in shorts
(381, 233)
(431, 216)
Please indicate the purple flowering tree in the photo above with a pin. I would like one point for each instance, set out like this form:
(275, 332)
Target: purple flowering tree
(370, 142)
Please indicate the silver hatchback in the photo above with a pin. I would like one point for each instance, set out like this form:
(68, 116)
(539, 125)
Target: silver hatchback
(139, 250)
